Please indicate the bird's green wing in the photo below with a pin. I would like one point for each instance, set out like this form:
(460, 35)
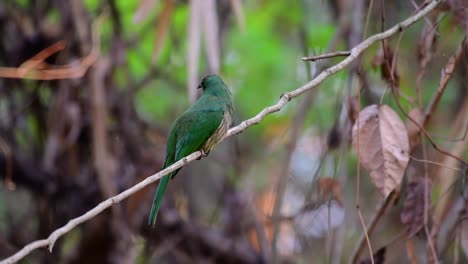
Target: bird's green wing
(189, 133)
(195, 129)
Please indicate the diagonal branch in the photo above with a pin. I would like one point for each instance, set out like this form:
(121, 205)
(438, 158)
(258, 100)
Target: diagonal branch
(285, 98)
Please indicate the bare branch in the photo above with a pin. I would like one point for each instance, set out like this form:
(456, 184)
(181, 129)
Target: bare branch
(285, 98)
(327, 56)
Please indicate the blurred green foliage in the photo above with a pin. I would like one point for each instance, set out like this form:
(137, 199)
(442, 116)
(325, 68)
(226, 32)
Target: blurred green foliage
(259, 63)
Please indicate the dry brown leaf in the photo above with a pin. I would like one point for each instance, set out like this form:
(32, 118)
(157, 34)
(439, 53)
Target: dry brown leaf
(382, 146)
(385, 60)
(162, 28)
(353, 106)
(329, 186)
(414, 207)
(413, 130)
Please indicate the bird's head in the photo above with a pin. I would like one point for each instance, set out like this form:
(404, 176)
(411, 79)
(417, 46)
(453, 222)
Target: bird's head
(213, 84)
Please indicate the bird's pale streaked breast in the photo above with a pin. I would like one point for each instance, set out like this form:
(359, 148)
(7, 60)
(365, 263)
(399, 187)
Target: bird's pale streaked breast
(219, 133)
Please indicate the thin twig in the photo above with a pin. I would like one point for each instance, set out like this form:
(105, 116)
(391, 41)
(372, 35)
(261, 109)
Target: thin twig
(295, 131)
(358, 168)
(435, 163)
(327, 56)
(368, 15)
(285, 98)
(446, 75)
(372, 225)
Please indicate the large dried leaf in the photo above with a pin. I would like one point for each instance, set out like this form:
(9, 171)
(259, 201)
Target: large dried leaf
(415, 205)
(381, 141)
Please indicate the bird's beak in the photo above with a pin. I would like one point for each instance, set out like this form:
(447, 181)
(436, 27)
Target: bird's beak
(199, 86)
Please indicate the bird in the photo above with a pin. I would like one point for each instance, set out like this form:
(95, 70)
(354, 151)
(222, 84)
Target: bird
(200, 127)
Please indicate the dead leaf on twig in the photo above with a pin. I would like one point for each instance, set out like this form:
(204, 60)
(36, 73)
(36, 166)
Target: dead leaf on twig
(415, 205)
(381, 141)
(385, 61)
(353, 106)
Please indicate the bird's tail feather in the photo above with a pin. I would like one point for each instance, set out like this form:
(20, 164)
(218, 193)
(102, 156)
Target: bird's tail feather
(158, 199)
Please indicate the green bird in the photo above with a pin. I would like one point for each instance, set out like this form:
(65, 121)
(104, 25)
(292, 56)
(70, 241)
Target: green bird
(200, 127)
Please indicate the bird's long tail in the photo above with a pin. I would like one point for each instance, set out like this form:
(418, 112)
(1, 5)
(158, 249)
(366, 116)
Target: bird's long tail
(158, 199)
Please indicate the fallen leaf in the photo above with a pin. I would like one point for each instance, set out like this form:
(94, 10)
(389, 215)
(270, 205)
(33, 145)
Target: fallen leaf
(381, 141)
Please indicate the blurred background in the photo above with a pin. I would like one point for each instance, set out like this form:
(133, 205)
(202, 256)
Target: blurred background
(89, 89)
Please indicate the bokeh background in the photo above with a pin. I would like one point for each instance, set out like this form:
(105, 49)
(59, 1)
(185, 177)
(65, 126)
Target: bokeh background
(88, 116)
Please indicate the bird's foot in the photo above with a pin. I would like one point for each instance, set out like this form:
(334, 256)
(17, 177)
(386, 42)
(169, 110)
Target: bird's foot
(203, 154)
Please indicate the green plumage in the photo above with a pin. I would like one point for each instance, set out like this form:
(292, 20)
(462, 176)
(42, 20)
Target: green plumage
(201, 127)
